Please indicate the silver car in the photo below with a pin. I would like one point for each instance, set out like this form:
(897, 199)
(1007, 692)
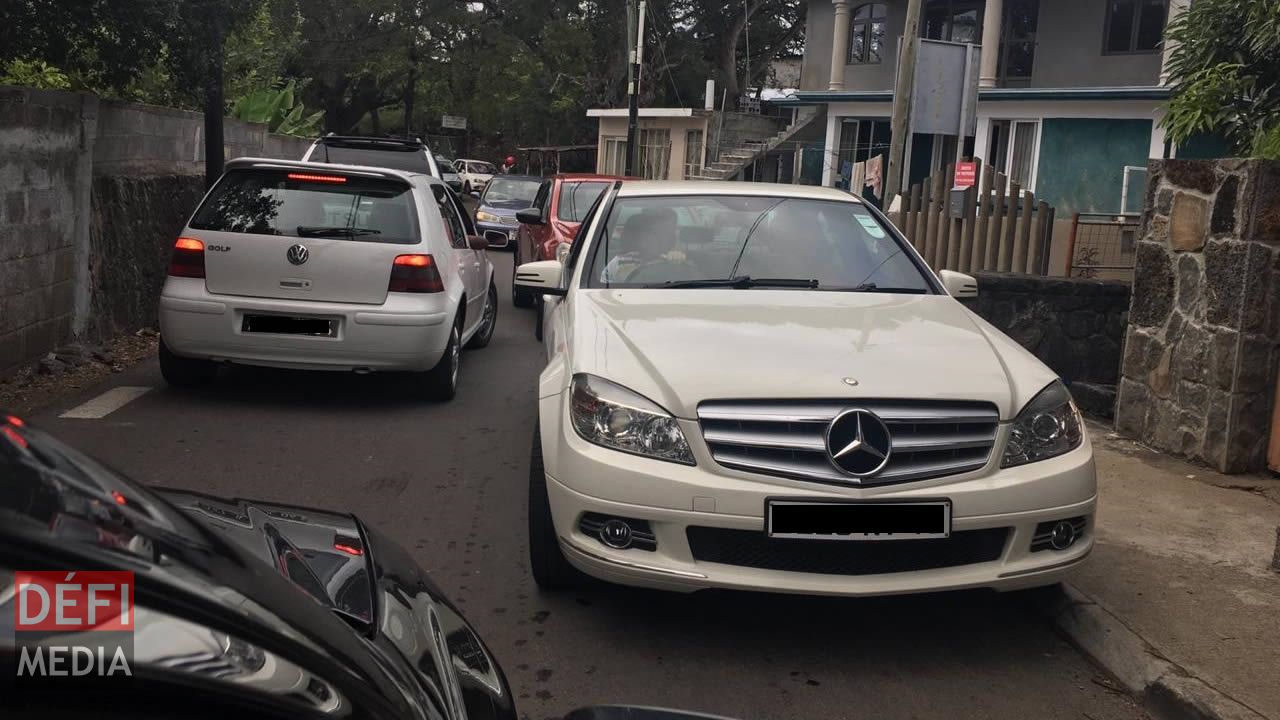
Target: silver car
(326, 267)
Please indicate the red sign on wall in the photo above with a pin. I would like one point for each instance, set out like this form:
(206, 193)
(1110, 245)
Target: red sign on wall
(966, 174)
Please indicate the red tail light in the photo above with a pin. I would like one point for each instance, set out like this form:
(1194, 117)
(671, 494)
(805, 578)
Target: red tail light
(415, 274)
(188, 258)
(307, 177)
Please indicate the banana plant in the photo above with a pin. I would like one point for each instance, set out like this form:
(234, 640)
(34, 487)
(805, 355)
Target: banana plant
(280, 109)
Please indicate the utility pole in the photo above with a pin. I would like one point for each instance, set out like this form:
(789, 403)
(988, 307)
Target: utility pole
(903, 88)
(214, 99)
(635, 45)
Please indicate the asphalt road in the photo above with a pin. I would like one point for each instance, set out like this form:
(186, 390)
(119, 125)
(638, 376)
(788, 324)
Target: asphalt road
(449, 482)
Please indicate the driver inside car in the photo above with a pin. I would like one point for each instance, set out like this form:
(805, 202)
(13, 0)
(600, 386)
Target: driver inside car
(650, 239)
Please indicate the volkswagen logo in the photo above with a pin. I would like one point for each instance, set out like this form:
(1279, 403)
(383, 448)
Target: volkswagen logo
(858, 443)
(298, 254)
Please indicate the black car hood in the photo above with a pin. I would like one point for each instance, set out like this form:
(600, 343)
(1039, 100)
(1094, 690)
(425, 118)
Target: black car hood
(321, 552)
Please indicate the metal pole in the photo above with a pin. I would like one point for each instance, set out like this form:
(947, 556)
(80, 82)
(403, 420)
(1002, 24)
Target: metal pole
(633, 85)
(900, 126)
(963, 126)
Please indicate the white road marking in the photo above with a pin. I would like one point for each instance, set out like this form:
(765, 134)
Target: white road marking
(106, 403)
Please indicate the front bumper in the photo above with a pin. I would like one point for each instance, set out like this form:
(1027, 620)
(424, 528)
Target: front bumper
(407, 332)
(509, 230)
(584, 478)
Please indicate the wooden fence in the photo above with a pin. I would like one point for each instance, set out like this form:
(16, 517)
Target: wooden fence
(1002, 227)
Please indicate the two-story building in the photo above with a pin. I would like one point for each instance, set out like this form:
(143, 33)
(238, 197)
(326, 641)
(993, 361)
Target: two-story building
(1070, 91)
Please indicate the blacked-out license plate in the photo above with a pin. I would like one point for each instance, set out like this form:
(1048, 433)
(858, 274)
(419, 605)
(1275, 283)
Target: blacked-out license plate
(843, 520)
(288, 325)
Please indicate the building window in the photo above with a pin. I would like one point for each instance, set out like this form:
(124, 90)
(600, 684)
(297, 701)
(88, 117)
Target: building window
(614, 160)
(693, 153)
(1014, 150)
(953, 20)
(1018, 41)
(866, 35)
(1134, 26)
(655, 152)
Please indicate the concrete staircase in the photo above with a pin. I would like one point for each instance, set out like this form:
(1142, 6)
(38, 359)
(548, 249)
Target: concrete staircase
(734, 159)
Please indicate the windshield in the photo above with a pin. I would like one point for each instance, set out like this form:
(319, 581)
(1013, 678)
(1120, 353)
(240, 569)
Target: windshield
(445, 164)
(704, 240)
(274, 202)
(511, 190)
(483, 168)
(395, 157)
(576, 198)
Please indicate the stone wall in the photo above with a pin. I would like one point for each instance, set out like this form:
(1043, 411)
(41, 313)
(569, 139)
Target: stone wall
(1199, 369)
(135, 221)
(44, 199)
(133, 172)
(1075, 326)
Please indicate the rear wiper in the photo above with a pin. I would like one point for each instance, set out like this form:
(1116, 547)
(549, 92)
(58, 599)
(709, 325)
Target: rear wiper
(872, 287)
(743, 282)
(320, 231)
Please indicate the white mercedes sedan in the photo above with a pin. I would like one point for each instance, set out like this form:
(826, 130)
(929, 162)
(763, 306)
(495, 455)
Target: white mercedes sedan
(326, 267)
(765, 387)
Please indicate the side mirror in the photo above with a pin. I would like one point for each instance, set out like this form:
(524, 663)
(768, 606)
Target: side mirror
(542, 277)
(476, 242)
(496, 238)
(959, 285)
(530, 216)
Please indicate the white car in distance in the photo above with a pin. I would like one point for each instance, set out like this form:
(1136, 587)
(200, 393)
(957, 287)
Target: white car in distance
(765, 387)
(326, 267)
(475, 174)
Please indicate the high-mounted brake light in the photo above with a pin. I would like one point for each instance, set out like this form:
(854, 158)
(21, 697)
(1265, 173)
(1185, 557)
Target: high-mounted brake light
(415, 274)
(15, 421)
(187, 259)
(307, 177)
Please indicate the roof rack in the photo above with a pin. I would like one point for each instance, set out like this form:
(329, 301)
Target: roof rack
(374, 139)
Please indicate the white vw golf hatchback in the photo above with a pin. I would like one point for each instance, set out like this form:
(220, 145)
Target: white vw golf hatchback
(764, 387)
(326, 267)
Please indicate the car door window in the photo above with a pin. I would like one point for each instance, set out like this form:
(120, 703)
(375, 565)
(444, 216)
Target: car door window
(467, 223)
(540, 200)
(453, 222)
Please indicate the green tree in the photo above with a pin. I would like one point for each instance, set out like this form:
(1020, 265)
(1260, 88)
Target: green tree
(1225, 72)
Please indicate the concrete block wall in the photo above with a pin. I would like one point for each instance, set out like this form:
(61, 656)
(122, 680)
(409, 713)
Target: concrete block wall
(81, 247)
(44, 208)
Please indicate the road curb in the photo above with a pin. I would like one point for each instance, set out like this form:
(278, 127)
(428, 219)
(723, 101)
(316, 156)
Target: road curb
(1166, 688)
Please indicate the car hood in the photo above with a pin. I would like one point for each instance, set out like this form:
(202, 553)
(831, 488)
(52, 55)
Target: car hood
(680, 347)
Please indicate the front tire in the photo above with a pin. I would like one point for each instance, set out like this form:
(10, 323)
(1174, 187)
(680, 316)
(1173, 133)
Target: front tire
(185, 372)
(488, 319)
(551, 571)
(440, 383)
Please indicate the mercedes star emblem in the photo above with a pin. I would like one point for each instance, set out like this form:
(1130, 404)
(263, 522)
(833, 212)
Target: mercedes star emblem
(859, 443)
(298, 254)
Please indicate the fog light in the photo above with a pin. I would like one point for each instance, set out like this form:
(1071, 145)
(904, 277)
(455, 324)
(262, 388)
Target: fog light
(616, 534)
(1063, 535)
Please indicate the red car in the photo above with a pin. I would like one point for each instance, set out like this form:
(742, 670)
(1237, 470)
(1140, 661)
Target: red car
(560, 204)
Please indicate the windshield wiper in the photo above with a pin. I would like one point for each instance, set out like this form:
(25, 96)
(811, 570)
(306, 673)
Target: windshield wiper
(872, 287)
(320, 231)
(743, 282)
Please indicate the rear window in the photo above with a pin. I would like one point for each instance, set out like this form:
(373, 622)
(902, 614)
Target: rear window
(271, 202)
(576, 198)
(396, 157)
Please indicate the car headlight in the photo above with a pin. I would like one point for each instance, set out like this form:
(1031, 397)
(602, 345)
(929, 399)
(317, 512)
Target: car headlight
(482, 216)
(1049, 426)
(612, 416)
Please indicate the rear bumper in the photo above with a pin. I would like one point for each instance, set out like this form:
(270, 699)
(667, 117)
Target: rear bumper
(407, 332)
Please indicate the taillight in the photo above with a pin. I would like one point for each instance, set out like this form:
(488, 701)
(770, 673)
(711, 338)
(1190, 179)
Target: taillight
(415, 274)
(188, 258)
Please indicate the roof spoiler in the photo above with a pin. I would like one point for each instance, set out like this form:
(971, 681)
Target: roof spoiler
(248, 163)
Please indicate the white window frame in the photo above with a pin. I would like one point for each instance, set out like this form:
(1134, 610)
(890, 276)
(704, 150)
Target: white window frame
(694, 166)
(651, 153)
(1008, 147)
(615, 149)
